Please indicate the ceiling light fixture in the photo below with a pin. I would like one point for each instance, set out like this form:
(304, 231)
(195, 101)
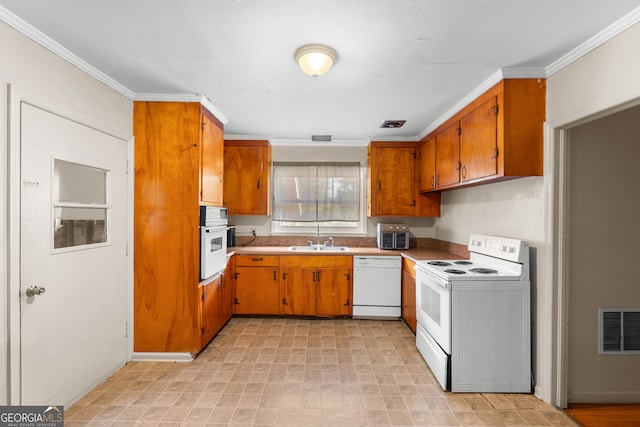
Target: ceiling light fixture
(315, 59)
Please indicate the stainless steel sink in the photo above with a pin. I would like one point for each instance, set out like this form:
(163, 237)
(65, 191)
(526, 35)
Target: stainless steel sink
(333, 249)
(318, 248)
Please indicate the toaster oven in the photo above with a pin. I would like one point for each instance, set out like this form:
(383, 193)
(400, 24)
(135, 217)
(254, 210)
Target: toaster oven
(393, 236)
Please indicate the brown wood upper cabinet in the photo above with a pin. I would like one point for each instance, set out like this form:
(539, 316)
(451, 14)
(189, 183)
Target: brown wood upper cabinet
(174, 163)
(247, 171)
(447, 156)
(426, 165)
(497, 136)
(211, 159)
(393, 181)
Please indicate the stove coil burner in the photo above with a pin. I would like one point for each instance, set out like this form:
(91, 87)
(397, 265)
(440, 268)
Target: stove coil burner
(439, 263)
(463, 262)
(484, 270)
(454, 271)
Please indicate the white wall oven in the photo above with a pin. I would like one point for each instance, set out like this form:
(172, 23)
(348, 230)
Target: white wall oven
(213, 241)
(474, 327)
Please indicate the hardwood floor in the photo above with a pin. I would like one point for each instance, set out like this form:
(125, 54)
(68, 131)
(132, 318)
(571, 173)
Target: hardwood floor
(605, 415)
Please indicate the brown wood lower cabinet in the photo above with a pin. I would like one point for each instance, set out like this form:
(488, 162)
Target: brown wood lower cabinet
(315, 285)
(217, 304)
(256, 285)
(333, 292)
(409, 293)
(212, 320)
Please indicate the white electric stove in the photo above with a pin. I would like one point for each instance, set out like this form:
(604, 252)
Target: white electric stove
(474, 327)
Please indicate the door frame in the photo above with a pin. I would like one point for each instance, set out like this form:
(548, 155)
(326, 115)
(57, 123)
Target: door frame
(556, 260)
(16, 97)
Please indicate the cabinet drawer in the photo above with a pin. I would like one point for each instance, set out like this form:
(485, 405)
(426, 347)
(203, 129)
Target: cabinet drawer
(257, 260)
(316, 261)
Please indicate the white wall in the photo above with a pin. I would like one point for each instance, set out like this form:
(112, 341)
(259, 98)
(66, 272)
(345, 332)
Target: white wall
(511, 208)
(604, 204)
(49, 78)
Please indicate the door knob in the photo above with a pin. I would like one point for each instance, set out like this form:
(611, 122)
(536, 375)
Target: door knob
(34, 290)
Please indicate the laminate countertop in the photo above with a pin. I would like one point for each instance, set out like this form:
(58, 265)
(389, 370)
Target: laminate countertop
(416, 254)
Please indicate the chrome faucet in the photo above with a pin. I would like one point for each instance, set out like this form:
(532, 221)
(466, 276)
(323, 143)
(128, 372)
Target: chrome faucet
(328, 242)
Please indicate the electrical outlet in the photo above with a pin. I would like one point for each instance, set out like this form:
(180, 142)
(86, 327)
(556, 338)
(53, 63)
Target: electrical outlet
(253, 232)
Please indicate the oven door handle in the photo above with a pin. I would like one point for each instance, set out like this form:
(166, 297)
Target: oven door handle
(431, 279)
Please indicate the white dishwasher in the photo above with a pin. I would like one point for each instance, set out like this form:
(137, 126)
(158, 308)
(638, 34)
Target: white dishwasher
(376, 287)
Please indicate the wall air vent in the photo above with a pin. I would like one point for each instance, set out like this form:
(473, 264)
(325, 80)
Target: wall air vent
(322, 138)
(619, 330)
(392, 124)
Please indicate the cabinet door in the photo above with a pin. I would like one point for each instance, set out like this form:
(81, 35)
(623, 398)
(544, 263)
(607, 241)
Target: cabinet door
(256, 290)
(299, 291)
(427, 165)
(448, 156)
(479, 142)
(394, 181)
(166, 275)
(211, 310)
(333, 292)
(211, 160)
(246, 179)
(409, 299)
(228, 292)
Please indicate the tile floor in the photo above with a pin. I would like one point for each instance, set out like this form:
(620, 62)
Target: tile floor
(292, 372)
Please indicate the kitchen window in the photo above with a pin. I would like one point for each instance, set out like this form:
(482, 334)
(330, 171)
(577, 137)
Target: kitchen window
(306, 195)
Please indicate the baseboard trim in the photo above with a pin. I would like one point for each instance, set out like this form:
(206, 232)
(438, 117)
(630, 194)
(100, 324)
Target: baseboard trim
(161, 357)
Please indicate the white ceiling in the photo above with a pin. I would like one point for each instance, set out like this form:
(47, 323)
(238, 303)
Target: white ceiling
(398, 59)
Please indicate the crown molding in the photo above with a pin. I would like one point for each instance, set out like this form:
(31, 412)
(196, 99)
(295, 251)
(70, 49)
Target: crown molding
(183, 97)
(244, 137)
(524, 73)
(45, 41)
(599, 39)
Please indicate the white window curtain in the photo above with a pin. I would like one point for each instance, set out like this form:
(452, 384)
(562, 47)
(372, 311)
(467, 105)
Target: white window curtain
(323, 193)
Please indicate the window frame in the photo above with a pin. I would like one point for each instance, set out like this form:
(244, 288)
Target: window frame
(277, 228)
(55, 204)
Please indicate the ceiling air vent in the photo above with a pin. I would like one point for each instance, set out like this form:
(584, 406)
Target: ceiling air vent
(619, 330)
(324, 138)
(392, 124)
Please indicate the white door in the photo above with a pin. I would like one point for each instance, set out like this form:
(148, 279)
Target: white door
(73, 250)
